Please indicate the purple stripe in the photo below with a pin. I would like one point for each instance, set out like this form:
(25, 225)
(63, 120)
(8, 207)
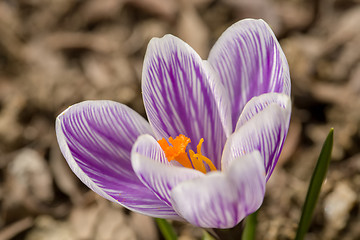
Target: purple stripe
(244, 69)
(100, 135)
(222, 199)
(179, 97)
(265, 132)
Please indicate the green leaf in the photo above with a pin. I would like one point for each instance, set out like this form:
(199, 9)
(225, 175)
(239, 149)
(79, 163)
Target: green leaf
(316, 182)
(250, 227)
(166, 229)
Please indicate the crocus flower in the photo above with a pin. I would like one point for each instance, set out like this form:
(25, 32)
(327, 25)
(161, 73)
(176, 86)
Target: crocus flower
(215, 132)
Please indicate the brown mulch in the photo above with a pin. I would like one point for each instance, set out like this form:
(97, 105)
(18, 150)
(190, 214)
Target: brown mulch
(56, 53)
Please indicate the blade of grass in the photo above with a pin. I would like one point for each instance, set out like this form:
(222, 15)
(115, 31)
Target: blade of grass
(166, 229)
(250, 227)
(316, 182)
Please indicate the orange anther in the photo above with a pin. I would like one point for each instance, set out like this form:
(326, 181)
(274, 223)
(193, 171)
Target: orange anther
(177, 151)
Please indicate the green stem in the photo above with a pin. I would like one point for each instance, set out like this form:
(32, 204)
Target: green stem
(166, 229)
(234, 233)
(250, 227)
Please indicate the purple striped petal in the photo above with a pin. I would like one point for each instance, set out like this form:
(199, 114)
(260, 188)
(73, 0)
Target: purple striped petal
(266, 132)
(96, 138)
(222, 200)
(148, 162)
(182, 95)
(257, 104)
(250, 62)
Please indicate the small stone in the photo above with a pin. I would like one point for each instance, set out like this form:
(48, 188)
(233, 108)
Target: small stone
(30, 172)
(47, 228)
(338, 205)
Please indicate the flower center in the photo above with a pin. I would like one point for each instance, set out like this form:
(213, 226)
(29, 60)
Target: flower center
(177, 151)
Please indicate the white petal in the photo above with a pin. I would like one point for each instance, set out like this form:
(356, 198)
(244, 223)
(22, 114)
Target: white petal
(95, 138)
(183, 95)
(250, 62)
(265, 132)
(222, 200)
(154, 173)
(258, 104)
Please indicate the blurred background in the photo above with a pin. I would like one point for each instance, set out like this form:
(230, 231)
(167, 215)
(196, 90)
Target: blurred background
(54, 53)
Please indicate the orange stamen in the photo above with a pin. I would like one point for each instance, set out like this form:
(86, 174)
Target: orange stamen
(202, 158)
(177, 152)
(198, 164)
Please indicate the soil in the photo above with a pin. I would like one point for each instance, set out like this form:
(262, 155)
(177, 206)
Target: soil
(56, 53)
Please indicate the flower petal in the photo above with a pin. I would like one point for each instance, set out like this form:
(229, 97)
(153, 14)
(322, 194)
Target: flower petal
(266, 132)
(96, 138)
(154, 174)
(250, 62)
(222, 200)
(182, 95)
(257, 104)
